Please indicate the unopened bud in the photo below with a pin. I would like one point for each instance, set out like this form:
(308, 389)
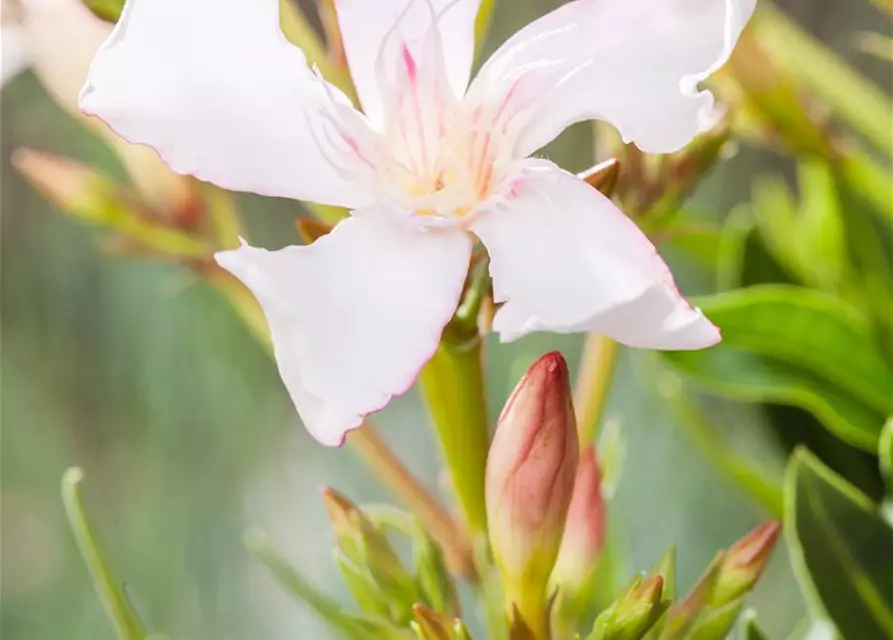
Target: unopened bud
(743, 564)
(70, 185)
(584, 530)
(603, 176)
(430, 625)
(530, 477)
(370, 556)
(634, 613)
(311, 229)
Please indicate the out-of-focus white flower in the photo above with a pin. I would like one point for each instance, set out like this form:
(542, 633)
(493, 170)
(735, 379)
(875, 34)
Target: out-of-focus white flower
(214, 86)
(13, 58)
(58, 40)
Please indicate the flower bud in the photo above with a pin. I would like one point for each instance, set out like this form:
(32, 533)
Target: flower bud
(70, 185)
(371, 568)
(430, 625)
(584, 531)
(603, 176)
(743, 564)
(634, 613)
(530, 477)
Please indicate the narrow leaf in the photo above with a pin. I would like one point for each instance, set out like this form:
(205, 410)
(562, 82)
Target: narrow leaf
(110, 591)
(806, 328)
(842, 550)
(742, 375)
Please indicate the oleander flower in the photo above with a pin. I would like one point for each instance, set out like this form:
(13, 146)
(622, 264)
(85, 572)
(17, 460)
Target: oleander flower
(431, 163)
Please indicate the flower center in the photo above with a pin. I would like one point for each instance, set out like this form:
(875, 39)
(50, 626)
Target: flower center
(443, 164)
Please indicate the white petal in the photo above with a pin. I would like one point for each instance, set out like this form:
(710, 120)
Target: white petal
(216, 89)
(13, 54)
(355, 315)
(634, 63)
(564, 258)
(374, 33)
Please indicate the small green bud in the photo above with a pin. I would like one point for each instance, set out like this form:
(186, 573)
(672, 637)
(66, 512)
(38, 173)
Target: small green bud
(683, 615)
(743, 564)
(433, 579)
(634, 613)
(369, 552)
(362, 587)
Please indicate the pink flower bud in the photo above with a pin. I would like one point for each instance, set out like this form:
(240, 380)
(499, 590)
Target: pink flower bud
(744, 562)
(584, 530)
(530, 478)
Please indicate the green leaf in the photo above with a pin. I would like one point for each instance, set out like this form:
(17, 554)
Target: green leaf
(348, 625)
(744, 376)
(806, 238)
(863, 105)
(115, 602)
(806, 328)
(841, 549)
(885, 454)
(742, 257)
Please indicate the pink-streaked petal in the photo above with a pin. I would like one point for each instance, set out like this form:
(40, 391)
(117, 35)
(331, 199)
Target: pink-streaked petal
(216, 89)
(355, 315)
(375, 33)
(564, 258)
(635, 63)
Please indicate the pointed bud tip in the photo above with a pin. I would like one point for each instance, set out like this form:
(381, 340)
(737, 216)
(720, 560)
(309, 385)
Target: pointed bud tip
(65, 182)
(651, 590)
(603, 176)
(341, 511)
(753, 549)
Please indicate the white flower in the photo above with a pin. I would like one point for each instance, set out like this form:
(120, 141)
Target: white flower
(216, 89)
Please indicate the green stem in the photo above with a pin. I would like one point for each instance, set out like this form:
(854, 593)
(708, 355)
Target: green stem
(453, 386)
(593, 384)
(116, 604)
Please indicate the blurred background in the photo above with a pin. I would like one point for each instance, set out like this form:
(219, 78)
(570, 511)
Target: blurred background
(141, 374)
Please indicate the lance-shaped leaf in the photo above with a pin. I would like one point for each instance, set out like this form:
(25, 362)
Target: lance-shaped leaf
(854, 98)
(350, 626)
(110, 591)
(743, 375)
(885, 454)
(841, 548)
(809, 329)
